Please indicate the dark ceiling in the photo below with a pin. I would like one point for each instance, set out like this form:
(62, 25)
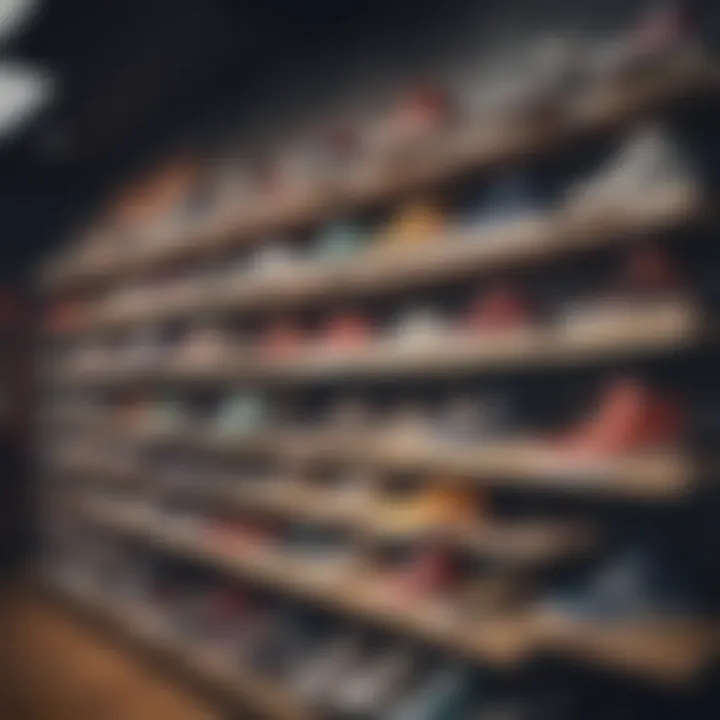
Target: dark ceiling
(135, 76)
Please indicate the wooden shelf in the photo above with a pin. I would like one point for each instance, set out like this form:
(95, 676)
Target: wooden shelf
(655, 649)
(532, 543)
(144, 629)
(661, 328)
(499, 640)
(463, 149)
(460, 253)
(669, 650)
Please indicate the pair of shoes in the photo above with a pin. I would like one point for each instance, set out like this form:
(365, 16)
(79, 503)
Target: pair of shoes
(629, 416)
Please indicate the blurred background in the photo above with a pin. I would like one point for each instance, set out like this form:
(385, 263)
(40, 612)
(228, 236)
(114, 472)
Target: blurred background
(359, 359)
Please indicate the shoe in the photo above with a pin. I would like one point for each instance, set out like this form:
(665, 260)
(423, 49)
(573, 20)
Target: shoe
(648, 163)
(631, 585)
(512, 197)
(241, 415)
(447, 694)
(498, 309)
(415, 223)
(320, 674)
(273, 258)
(340, 241)
(419, 327)
(472, 419)
(647, 280)
(281, 341)
(240, 536)
(629, 417)
(372, 686)
(433, 508)
(346, 332)
(322, 552)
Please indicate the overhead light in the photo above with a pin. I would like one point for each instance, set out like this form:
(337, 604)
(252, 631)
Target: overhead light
(24, 91)
(14, 14)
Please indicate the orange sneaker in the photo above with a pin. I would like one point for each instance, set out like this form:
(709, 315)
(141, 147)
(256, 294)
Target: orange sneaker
(415, 223)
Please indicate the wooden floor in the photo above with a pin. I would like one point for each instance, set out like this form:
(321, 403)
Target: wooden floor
(55, 667)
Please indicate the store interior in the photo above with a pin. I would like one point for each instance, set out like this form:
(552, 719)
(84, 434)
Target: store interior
(361, 360)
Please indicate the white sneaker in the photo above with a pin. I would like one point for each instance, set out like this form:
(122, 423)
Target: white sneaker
(648, 162)
(317, 678)
(375, 684)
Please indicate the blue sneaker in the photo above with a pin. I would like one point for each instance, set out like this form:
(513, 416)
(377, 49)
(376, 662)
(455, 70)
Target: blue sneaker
(340, 241)
(512, 197)
(448, 694)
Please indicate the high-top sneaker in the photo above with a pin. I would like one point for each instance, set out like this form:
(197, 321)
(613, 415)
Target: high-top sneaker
(628, 417)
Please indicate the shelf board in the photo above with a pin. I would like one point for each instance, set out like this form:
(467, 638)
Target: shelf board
(662, 475)
(499, 640)
(665, 327)
(669, 650)
(655, 649)
(460, 253)
(143, 628)
(446, 157)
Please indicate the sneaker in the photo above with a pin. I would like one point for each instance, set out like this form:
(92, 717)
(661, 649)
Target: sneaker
(373, 685)
(632, 585)
(649, 162)
(241, 415)
(273, 258)
(346, 332)
(340, 241)
(415, 223)
(498, 309)
(419, 327)
(447, 694)
(472, 419)
(512, 197)
(320, 674)
(432, 508)
(628, 417)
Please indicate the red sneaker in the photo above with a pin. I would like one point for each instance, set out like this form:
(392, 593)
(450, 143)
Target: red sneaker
(628, 417)
(347, 331)
(498, 308)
